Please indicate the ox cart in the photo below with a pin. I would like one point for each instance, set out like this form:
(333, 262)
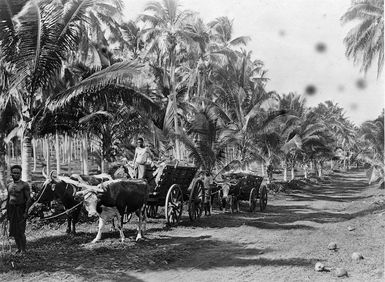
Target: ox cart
(244, 187)
(175, 186)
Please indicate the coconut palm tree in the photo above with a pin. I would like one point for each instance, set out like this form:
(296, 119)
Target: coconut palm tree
(101, 29)
(44, 33)
(166, 36)
(365, 42)
(344, 132)
(222, 33)
(372, 133)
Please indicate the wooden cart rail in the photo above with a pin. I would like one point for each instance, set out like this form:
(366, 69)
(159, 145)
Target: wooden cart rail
(181, 175)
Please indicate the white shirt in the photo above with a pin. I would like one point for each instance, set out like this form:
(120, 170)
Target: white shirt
(141, 155)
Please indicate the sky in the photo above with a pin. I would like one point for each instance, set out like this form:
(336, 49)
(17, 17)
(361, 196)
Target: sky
(285, 35)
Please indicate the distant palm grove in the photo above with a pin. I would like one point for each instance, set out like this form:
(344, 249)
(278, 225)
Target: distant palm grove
(80, 82)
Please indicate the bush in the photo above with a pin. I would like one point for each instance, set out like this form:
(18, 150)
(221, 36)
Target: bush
(277, 187)
(296, 184)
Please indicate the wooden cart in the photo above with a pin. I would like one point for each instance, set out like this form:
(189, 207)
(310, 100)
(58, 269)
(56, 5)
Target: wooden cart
(247, 187)
(177, 185)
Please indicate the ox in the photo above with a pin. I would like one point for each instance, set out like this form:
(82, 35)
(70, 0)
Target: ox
(115, 199)
(229, 196)
(63, 189)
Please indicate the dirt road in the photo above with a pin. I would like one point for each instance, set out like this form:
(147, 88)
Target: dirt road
(281, 244)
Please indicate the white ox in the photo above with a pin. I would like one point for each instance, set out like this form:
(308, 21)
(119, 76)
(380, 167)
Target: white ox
(115, 199)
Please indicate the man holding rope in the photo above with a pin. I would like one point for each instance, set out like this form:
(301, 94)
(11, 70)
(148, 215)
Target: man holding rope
(18, 201)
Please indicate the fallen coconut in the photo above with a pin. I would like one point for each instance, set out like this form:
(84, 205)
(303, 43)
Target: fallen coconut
(341, 272)
(332, 246)
(350, 228)
(319, 266)
(357, 256)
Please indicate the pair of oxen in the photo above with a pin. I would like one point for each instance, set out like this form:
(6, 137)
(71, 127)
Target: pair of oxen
(110, 199)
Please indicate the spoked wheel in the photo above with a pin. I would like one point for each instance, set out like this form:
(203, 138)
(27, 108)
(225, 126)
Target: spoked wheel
(174, 205)
(151, 211)
(195, 203)
(253, 199)
(262, 198)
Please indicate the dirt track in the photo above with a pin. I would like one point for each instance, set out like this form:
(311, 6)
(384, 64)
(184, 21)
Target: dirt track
(281, 244)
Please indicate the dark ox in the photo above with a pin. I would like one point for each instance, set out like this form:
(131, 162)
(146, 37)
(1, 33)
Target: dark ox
(114, 199)
(63, 189)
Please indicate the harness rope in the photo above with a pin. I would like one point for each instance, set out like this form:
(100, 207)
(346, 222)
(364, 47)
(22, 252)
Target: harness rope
(65, 212)
(60, 214)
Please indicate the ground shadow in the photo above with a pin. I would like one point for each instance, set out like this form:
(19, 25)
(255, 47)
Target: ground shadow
(312, 204)
(115, 261)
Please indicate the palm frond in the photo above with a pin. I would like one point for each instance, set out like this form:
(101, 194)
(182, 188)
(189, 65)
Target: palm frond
(117, 74)
(96, 115)
(8, 29)
(242, 40)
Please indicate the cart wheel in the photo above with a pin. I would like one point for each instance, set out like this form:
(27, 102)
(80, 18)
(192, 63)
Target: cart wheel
(195, 203)
(174, 205)
(262, 198)
(151, 211)
(253, 199)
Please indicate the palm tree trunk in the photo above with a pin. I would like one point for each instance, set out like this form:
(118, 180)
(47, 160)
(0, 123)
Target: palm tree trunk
(103, 163)
(2, 165)
(174, 104)
(292, 172)
(63, 148)
(85, 154)
(8, 161)
(34, 151)
(12, 149)
(262, 169)
(285, 173)
(69, 154)
(26, 156)
(47, 155)
(57, 153)
(319, 170)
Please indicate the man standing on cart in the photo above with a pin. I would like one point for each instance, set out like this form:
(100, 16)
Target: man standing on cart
(142, 156)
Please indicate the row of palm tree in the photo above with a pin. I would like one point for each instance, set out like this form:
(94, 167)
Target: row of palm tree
(75, 68)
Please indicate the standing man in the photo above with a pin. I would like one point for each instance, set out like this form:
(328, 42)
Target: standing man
(18, 201)
(207, 182)
(142, 155)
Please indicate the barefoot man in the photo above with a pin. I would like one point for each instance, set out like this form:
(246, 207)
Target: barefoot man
(18, 201)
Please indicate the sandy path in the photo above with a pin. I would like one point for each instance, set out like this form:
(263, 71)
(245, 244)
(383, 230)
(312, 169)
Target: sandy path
(281, 244)
(284, 243)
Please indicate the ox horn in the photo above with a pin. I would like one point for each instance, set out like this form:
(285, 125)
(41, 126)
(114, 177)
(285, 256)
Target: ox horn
(51, 175)
(81, 193)
(94, 189)
(88, 189)
(44, 173)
